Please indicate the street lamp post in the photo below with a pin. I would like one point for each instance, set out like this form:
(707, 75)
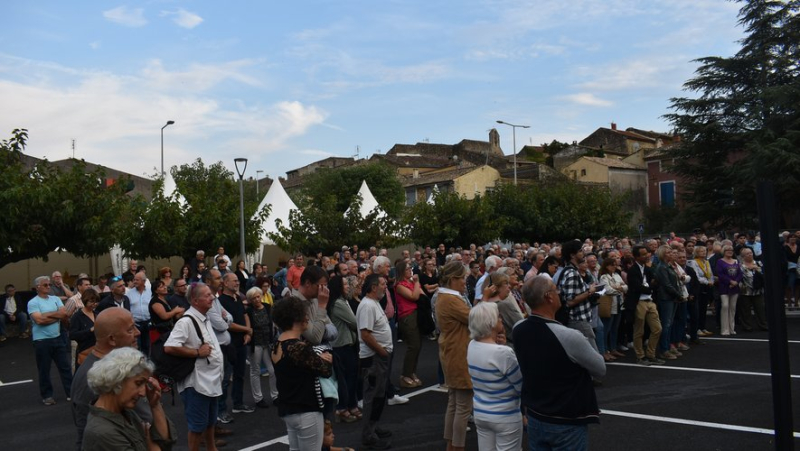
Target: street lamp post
(163, 175)
(514, 133)
(257, 172)
(243, 162)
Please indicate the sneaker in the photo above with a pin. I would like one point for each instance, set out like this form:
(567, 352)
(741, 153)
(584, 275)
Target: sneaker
(396, 400)
(667, 356)
(225, 418)
(708, 332)
(263, 404)
(361, 404)
(683, 347)
(243, 408)
(643, 362)
(3, 338)
(656, 361)
(382, 433)
(25, 335)
(49, 401)
(376, 443)
(624, 348)
(220, 431)
(69, 399)
(675, 352)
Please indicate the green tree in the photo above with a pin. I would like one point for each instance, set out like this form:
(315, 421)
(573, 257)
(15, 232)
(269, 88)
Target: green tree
(558, 212)
(47, 208)
(203, 213)
(452, 220)
(328, 207)
(744, 124)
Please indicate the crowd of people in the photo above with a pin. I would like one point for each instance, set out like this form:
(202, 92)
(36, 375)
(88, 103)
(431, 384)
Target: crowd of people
(323, 330)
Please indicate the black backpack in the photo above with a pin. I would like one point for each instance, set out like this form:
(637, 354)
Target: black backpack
(171, 369)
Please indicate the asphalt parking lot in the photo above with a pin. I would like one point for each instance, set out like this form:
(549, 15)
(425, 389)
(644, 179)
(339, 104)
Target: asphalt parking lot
(716, 397)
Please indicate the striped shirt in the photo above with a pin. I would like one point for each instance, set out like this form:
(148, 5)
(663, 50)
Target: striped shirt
(496, 382)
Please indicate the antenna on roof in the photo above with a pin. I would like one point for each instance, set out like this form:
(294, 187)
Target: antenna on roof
(358, 152)
(426, 140)
(73, 148)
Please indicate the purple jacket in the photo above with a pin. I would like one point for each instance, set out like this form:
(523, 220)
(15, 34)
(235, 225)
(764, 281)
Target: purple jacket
(726, 273)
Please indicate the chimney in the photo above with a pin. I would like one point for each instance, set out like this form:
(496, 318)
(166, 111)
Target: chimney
(613, 126)
(416, 173)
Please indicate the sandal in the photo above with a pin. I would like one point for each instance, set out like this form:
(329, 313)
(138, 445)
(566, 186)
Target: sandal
(343, 416)
(416, 380)
(356, 413)
(407, 382)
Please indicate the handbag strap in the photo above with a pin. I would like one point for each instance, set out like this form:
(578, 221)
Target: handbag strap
(197, 329)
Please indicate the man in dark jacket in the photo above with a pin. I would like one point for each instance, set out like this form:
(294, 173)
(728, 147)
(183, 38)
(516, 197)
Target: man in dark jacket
(557, 365)
(639, 300)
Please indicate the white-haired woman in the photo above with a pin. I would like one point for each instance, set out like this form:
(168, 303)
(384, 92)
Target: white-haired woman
(496, 381)
(261, 321)
(120, 379)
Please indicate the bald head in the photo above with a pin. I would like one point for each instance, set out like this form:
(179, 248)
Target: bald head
(114, 328)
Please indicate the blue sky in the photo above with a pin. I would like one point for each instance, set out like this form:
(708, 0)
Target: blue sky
(287, 83)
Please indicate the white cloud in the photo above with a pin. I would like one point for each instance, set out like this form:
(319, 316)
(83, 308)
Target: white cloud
(588, 99)
(183, 18)
(94, 45)
(116, 119)
(198, 77)
(126, 16)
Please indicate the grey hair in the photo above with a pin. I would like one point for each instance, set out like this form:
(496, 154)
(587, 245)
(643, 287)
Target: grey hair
(554, 250)
(194, 289)
(493, 261)
(108, 374)
(482, 320)
(254, 293)
(39, 280)
(534, 289)
(507, 270)
(379, 261)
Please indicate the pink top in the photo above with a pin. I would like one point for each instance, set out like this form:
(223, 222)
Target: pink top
(405, 306)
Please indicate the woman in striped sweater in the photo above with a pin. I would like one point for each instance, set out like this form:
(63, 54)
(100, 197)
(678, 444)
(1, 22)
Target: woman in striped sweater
(496, 381)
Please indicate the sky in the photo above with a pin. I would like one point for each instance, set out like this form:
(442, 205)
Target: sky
(284, 84)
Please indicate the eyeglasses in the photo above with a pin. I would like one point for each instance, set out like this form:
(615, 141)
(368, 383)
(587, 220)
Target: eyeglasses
(45, 284)
(180, 286)
(115, 279)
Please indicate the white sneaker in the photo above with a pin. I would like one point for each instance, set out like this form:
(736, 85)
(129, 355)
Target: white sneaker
(361, 404)
(441, 388)
(397, 399)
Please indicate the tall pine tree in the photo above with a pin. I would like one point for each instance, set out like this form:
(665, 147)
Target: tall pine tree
(744, 125)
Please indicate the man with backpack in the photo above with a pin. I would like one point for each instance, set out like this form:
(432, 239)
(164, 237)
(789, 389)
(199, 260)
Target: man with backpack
(200, 390)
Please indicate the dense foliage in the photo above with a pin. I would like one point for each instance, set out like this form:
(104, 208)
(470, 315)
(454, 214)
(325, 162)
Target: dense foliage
(47, 208)
(743, 126)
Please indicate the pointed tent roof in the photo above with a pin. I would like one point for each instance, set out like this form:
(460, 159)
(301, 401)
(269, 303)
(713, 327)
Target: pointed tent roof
(434, 191)
(171, 188)
(368, 202)
(281, 206)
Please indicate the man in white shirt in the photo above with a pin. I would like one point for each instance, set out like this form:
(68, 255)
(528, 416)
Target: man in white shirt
(140, 297)
(375, 350)
(200, 390)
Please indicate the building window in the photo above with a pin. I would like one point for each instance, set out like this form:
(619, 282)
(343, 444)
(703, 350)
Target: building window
(583, 172)
(667, 194)
(411, 196)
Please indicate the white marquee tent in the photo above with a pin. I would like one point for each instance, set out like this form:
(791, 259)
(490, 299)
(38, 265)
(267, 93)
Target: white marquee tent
(281, 206)
(368, 202)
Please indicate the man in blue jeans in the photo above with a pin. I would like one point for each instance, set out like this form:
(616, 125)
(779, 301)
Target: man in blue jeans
(557, 365)
(47, 312)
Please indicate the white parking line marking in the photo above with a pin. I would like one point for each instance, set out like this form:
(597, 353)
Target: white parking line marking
(700, 370)
(706, 424)
(285, 439)
(3, 384)
(760, 340)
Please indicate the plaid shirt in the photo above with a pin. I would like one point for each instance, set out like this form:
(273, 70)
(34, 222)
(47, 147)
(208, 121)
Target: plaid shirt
(571, 285)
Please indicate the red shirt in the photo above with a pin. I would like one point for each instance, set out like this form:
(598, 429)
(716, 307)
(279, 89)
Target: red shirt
(405, 306)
